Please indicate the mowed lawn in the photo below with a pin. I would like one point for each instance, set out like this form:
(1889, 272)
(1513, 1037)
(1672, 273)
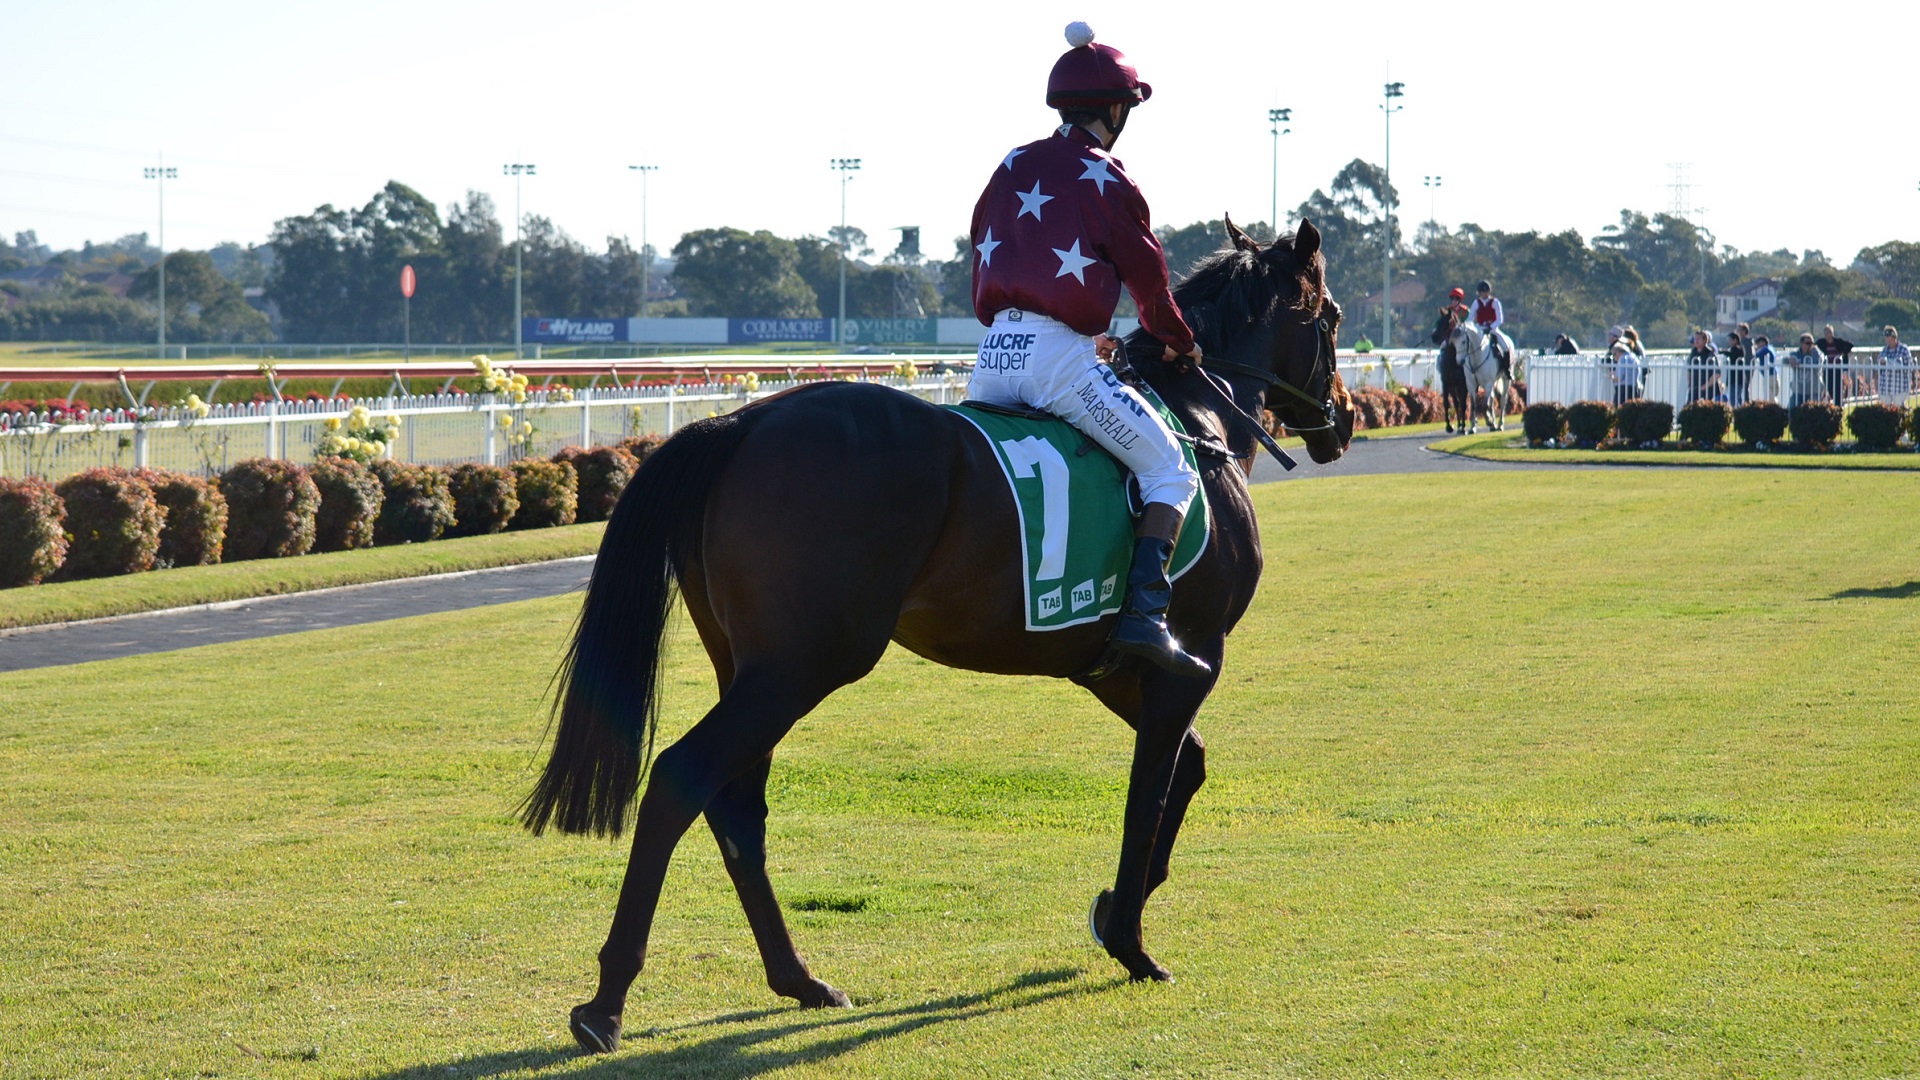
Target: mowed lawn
(1528, 774)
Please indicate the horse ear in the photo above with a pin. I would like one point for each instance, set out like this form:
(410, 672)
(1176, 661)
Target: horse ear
(1240, 239)
(1306, 241)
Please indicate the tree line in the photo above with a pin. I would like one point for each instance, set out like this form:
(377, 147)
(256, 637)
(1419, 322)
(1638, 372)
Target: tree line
(333, 275)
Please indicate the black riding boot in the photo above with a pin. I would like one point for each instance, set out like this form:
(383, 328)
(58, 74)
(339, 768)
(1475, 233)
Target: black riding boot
(1143, 622)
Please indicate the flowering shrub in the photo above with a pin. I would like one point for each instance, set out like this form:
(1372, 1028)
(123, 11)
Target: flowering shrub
(1589, 422)
(548, 492)
(1705, 423)
(32, 542)
(502, 381)
(641, 446)
(1643, 421)
(1814, 425)
(1377, 408)
(1544, 421)
(1423, 405)
(350, 498)
(270, 509)
(361, 438)
(485, 498)
(196, 530)
(1760, 422)
(1876, 426)
(57, 409)
(750, 380)
(604, 472)
(114, 522)
(418, 506)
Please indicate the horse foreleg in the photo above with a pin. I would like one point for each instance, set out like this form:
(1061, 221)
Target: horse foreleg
(743, 728)
(738, 817)
(1167, 709)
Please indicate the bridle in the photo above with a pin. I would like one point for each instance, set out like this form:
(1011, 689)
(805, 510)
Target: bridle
(1322, 356)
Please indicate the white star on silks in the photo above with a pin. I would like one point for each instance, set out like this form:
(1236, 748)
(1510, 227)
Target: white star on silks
(1008, 161)
(1097, 172)
(1031, 202)
(1072, 262)
(985, 248)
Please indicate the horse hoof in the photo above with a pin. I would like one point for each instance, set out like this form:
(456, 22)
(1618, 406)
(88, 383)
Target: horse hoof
(596, 1032)
(1097, 916)
(1143, 969)
(811, 993)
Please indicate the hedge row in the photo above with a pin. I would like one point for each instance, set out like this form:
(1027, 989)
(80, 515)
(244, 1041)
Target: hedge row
(106, 522)
(1704, 424)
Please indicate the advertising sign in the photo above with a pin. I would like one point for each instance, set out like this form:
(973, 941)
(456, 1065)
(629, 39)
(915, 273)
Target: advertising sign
(890, 332)
(755, 331)
(569, 331)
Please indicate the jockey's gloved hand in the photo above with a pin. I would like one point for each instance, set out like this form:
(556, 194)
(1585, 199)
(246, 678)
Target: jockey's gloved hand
(1167, 354)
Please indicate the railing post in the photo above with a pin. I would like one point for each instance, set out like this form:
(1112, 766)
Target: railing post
(486, 417)
(273, 429)
(586, 418)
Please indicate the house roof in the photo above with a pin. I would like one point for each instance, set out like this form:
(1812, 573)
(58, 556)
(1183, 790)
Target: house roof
(34, 275)
(1751, 286)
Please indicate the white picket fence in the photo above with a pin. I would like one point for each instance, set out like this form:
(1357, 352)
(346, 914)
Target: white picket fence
(438, 429)
(1672, 377)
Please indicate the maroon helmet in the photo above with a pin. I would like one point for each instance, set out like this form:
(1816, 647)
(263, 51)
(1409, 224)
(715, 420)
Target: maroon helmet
(1093, 76)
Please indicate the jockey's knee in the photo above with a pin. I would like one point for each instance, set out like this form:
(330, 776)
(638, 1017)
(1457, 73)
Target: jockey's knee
(1175, 487)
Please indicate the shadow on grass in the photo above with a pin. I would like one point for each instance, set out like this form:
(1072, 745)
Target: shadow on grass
(718, 1052)
(1885, 592)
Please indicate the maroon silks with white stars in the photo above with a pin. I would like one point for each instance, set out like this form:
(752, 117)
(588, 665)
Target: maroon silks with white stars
(1059, 229)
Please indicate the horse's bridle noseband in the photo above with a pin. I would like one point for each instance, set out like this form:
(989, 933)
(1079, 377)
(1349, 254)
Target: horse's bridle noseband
(1322, 353)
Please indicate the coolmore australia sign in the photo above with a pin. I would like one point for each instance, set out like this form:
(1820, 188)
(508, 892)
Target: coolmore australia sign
(558, 331)
(754, 331)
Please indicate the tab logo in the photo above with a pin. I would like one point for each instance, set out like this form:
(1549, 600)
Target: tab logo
(1049, 603)
(1082, 595)
(1107, 587)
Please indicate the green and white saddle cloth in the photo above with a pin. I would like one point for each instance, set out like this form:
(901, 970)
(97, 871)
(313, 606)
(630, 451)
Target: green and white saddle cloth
(1076, 529)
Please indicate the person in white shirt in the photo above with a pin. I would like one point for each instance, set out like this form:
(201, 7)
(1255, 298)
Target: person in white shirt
(1896, 369)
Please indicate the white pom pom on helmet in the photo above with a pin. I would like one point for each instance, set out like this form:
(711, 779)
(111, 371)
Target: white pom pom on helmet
(1079, 34)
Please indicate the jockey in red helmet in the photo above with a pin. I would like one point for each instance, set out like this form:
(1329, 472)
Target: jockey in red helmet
(1057, 232)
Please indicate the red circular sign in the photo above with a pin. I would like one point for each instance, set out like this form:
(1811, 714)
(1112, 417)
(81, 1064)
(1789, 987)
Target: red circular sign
(406, 281)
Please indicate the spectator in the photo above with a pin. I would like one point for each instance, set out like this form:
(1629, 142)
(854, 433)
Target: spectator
(1739, 368)
(1766, 366)
(1632, 338)
(1703, 368)
(1626, 373)
(1838, 354)
(1565, 346)
(1803, 366)
(1746, 339)
(1896, 369)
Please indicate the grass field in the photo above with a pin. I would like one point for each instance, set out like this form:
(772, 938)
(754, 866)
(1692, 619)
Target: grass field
(1510, 445)
(1525, 774)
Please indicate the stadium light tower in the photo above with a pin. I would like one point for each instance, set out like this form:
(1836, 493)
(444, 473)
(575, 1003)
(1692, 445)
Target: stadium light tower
(1432, 184)
(1276, 117)
(646, 261)
(517, 171)
(162, 173)
(847, 167)
(1394, 90)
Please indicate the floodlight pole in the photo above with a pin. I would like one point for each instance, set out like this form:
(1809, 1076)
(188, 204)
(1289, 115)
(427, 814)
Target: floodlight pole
(1433, 193)
(162, 173)
(1276, 117)
(517, 171)
(847, 167)
(1393, 90)
(646, 261)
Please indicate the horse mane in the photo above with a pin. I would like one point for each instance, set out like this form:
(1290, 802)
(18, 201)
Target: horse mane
(1235, 286)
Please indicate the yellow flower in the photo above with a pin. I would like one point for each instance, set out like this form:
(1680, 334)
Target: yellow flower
(506, 422)
(519, 397)
(526, 427)
(393, 420)
(392, 433)
(333, 423)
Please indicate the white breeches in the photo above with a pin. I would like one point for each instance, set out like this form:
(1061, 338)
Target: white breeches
(1032, 360)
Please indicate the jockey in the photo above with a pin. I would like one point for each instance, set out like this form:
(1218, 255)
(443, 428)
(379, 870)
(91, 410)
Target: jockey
(1452, 314)
(1058, 230)
(1488, 317)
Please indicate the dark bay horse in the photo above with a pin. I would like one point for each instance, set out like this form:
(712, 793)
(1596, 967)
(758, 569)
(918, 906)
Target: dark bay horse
(807, 530)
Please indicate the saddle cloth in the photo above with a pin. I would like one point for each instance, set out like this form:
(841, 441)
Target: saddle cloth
(1076, 525)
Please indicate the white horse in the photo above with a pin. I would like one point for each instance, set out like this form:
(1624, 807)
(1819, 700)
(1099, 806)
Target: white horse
(1482, 366)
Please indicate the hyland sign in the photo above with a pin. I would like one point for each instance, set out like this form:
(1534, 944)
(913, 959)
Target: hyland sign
(568, 331)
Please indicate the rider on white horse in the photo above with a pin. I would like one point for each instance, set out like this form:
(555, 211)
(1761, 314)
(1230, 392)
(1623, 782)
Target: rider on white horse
(1487, 317)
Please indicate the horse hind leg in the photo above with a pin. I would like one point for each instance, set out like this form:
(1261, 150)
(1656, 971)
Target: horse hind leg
(755, 712)
(738, 818)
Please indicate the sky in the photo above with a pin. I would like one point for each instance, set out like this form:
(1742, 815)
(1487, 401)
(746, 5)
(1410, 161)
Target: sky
(1534, 116)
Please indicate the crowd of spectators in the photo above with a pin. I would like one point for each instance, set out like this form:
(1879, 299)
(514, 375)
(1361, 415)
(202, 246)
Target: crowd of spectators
(1818, 369)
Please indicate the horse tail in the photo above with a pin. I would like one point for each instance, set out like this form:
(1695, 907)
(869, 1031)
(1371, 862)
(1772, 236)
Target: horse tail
(609, 685)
